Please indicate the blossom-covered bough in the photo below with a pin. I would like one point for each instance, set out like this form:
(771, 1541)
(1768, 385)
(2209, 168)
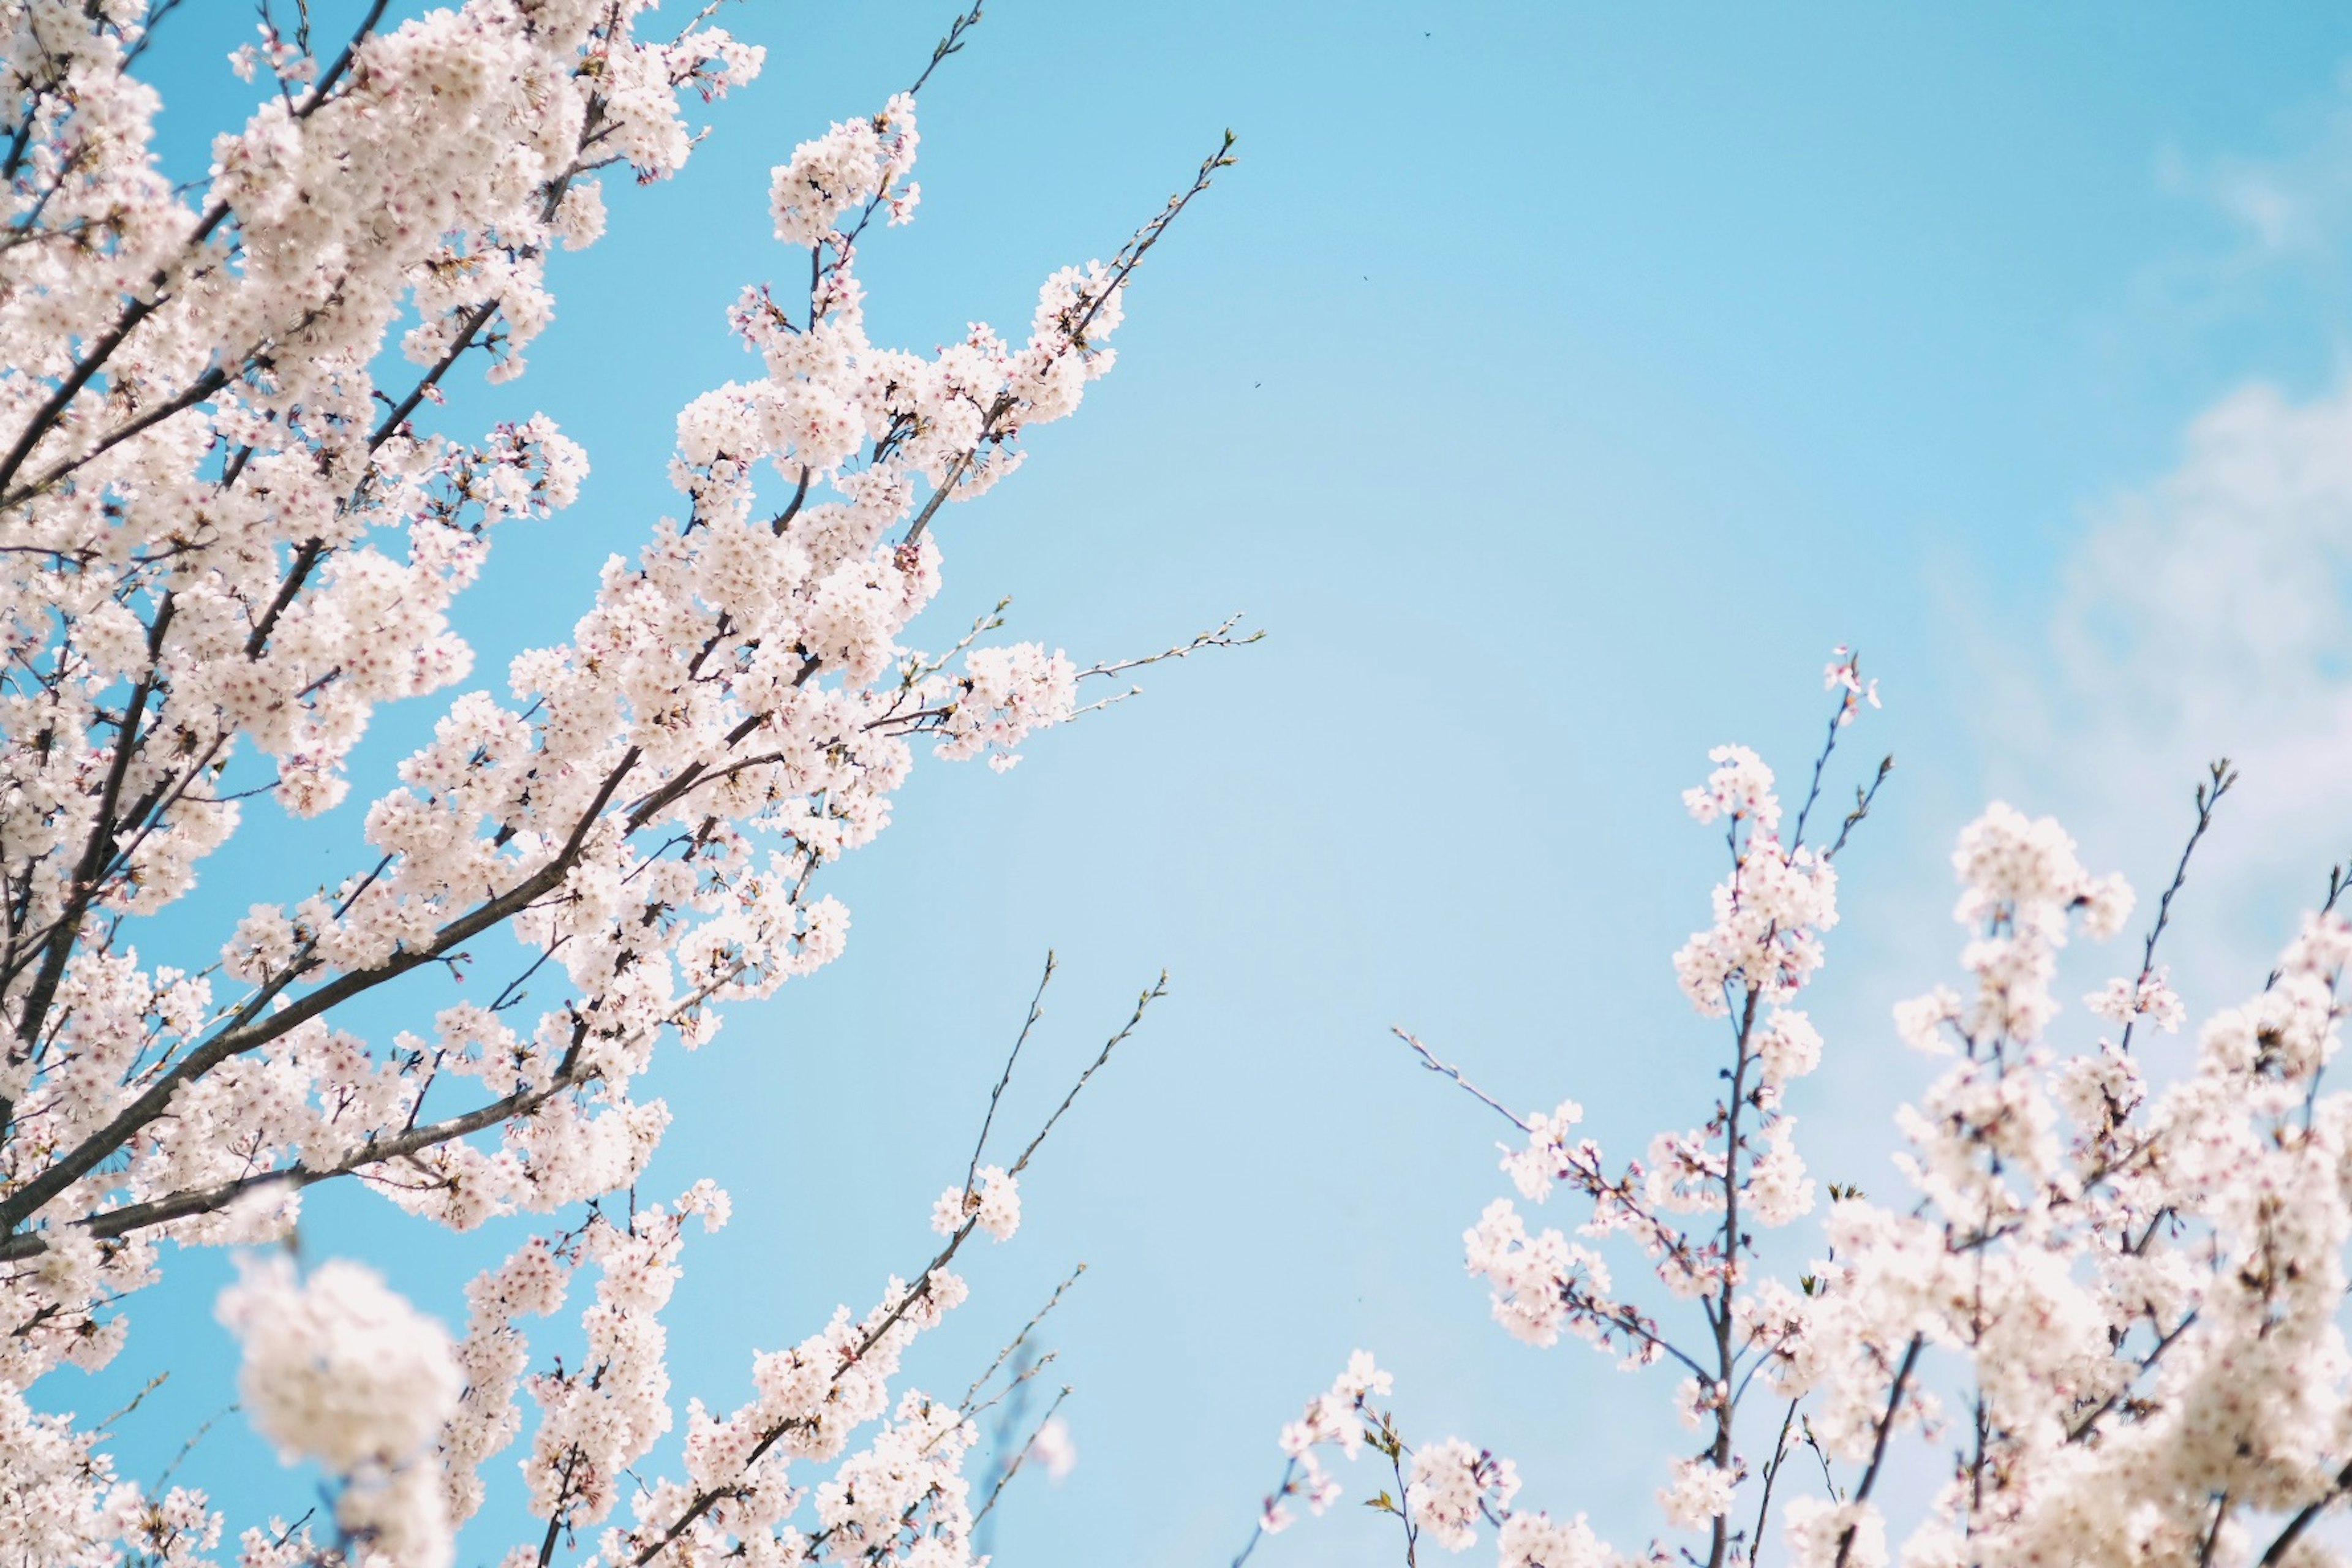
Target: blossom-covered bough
(2102, 1326)
(226, 538)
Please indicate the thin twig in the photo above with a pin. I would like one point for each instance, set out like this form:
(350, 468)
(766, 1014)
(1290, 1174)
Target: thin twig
(1446, 1069)
(1771, 1474)
(1143, 1004)
(1219, 635)
(2219, 776)
(136, 1400)
(1022, 1338)
(189, 1446)
(1013, 1467)
(1878, 1445)
(1036, 1011)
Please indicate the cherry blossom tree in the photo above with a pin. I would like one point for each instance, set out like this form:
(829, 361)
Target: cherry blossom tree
(2103, 1322)
(2101, 1326)
(229, 532)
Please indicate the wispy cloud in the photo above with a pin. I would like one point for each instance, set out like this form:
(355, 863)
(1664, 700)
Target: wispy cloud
(2272, 256)
(2295, 202)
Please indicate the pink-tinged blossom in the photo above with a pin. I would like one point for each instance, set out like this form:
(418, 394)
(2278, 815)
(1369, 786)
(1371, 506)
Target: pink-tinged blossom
(1788, 1046)
(340, 1369)
(910, 1476)
(1053, 1448)
(1771, 911)
(1920, 1022)
(1844, 674)
(1451, 1484)
(2149, 996)
(1532, 1278)
(992, 1203)
(1740, 788)
(492, 1358)
(2021, 882)
(1547, 1159)
(1822, 1534)
(1534, 1539)
(1700, 1493)
(855, 162)
(1336, 1418)
(1008, 694)
(1779, 1191)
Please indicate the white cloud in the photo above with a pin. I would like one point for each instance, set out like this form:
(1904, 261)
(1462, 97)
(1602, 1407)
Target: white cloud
(2215, 598)
(2206, 615)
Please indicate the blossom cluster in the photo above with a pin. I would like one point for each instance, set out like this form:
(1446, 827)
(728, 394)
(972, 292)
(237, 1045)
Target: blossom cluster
(1446, 1491)
(2101, 1324)
(1769, 911)
(1334, 1418)
(340, 1369)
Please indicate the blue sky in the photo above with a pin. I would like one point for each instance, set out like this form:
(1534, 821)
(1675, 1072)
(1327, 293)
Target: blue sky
(1554, 383)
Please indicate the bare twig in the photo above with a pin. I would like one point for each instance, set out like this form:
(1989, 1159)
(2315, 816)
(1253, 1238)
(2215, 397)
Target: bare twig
(1036, 1011)
(1022, 1338)
(1012, 1468)
(1446, 1069)
(2220, 777)
(1219, 635)
(1142, 1004)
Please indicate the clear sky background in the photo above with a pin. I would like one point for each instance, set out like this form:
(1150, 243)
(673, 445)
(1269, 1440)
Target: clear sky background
(1554, 383)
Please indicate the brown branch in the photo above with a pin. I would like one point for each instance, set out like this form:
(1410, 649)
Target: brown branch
(96, 850)
(248, 1030)
(195, 391)
(2220, 775)
(205, 1200)
(342, 62)
(2303, 1519)
(375, 1152)
(252, 1032)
